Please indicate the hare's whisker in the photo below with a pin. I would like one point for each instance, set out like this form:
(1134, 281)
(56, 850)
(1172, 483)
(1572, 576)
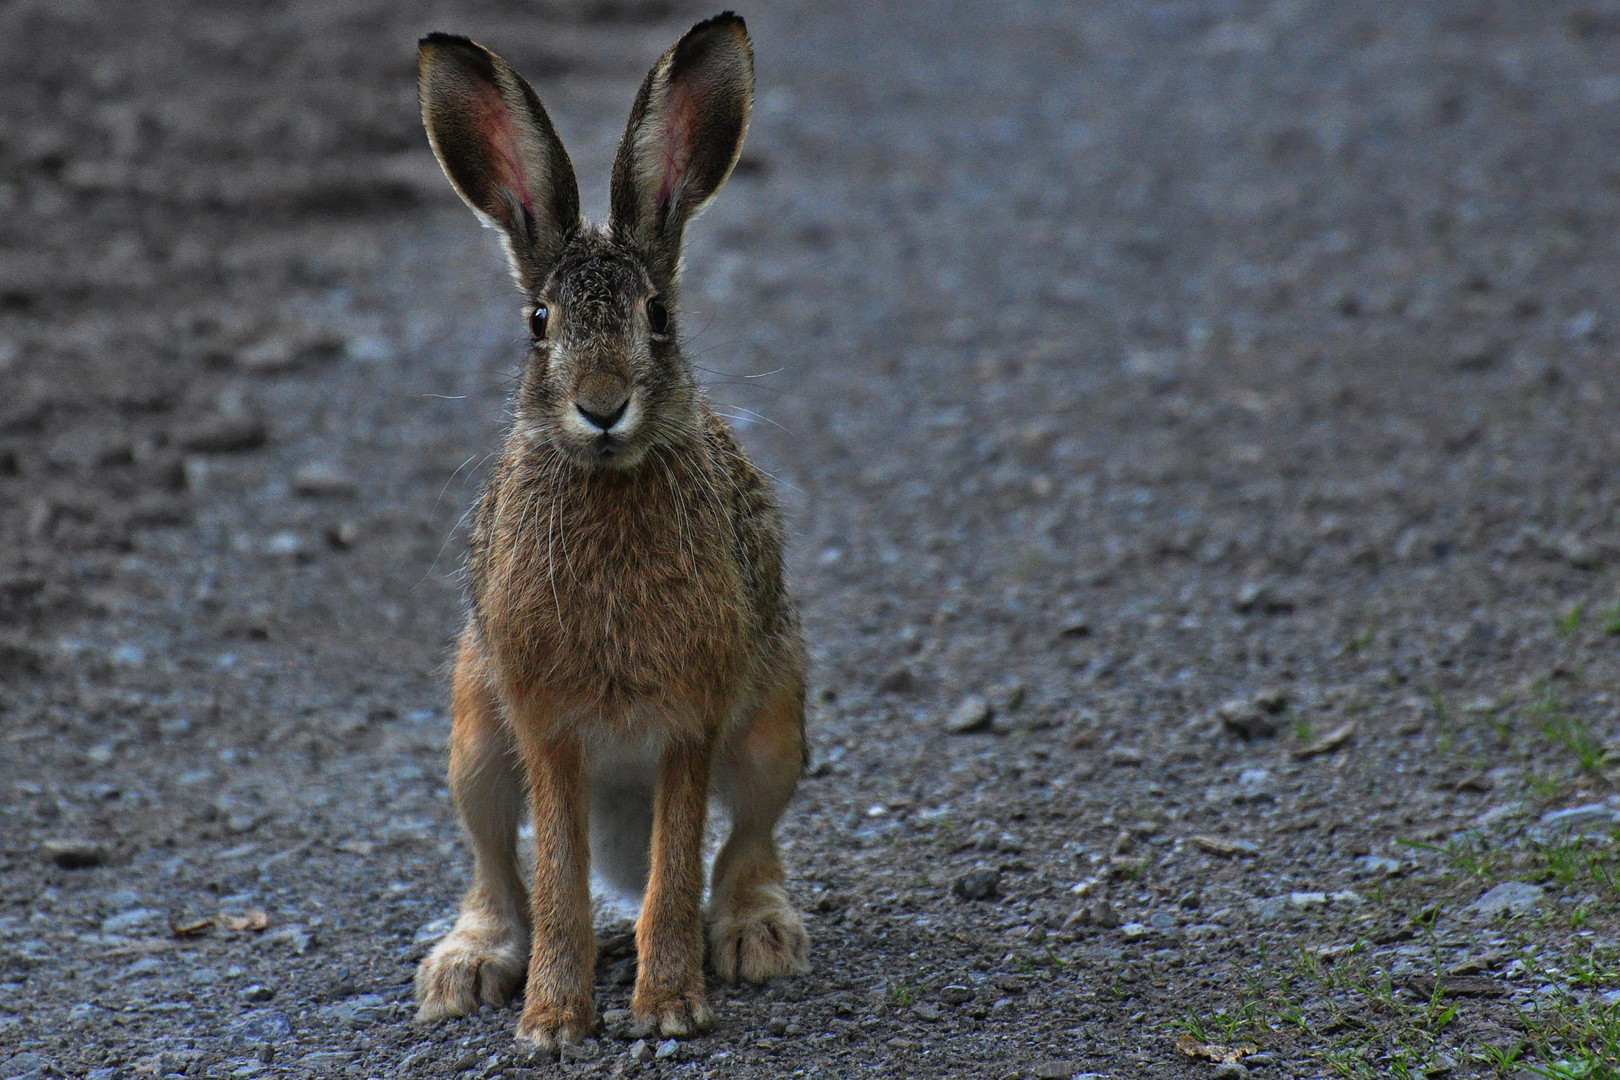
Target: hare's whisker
(752, 415)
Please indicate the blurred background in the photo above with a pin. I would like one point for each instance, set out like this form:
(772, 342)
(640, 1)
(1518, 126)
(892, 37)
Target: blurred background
(1197, 424)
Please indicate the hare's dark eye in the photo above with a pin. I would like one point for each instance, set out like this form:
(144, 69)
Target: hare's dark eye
(657, 316)
(537, 321)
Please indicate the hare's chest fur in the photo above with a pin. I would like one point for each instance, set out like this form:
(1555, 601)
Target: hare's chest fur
(611, 593)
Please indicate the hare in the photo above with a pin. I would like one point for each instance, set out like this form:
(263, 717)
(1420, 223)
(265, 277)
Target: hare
(631, 648)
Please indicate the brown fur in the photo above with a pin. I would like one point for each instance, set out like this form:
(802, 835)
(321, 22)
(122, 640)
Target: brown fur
(626, 582)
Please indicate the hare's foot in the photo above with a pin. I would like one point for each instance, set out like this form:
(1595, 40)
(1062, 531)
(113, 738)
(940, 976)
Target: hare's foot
(469, 967)
(673, 1013)
(755, 935)
(546, 1027)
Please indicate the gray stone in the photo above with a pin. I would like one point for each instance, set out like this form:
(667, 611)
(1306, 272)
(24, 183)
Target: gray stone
(326, 1062)
(323, 479)
(265, 1026)
(125, 921)
(640, 1051)
(1511, 898)
(1257, 598)
(224, 435)
(927, 1010)
(1056, 1070)
(667, 1049)
(1230, 1070)
(955, 994)
(256, 993)
(1272, 908)
(1377, 866)
(973, 714)
(1273, 699)
(25, 1066)
(1577, 817)
(1254, 786)
(75, 854)
(357, 1012)
(979, 884)
(1246, 720)
(1074, 625)
(293, 936)
(1103, 914)
(584, 1050)
(899, 681)
(146, 965)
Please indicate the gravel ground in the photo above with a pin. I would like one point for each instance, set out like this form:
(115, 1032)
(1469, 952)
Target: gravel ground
(1197, 426)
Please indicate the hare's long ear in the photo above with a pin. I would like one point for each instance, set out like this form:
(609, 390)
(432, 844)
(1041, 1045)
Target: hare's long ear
(685, 132)
(497, 146)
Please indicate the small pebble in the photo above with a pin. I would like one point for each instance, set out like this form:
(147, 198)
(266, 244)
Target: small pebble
(973, 714)
(980, 884)
(898, 681)
(1103, 914)
(1126, 755)
(667, 1049)
(1510, 898)
(586, 1050)
(1246, 720)
(321, 479)
(224, 435)
(640, 1051)
(343, 534)
(75, 854)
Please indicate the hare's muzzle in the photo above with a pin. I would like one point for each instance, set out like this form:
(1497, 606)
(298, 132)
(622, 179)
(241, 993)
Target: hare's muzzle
(602, 400)
(604, 420)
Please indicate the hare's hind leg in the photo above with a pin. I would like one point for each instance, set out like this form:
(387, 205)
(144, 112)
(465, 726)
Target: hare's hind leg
(482, 960)
(754, 932)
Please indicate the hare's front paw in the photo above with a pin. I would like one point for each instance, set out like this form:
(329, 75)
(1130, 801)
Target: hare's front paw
(545, 1029)
(469, 968)
(756, 936)
(674, 1014)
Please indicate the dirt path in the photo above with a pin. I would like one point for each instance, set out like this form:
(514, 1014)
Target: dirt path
(1222, 395)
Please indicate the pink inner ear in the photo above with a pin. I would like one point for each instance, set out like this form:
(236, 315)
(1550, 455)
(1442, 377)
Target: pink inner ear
(681, 110)
(495, 126)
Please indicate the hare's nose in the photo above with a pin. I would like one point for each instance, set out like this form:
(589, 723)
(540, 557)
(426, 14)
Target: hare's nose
(603, 420)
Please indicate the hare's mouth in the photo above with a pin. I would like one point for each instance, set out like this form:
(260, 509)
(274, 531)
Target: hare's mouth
(605, 450)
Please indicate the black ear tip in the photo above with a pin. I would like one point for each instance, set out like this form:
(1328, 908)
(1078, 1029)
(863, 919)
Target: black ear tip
(725, 20)
(437, 40)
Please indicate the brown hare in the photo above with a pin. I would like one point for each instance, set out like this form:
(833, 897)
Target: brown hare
(631, 648)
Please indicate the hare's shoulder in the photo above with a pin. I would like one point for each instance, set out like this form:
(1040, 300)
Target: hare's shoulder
(757, 524)
(750, 500)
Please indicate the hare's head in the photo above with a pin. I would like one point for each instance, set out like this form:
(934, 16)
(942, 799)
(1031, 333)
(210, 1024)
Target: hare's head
(605, 381)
